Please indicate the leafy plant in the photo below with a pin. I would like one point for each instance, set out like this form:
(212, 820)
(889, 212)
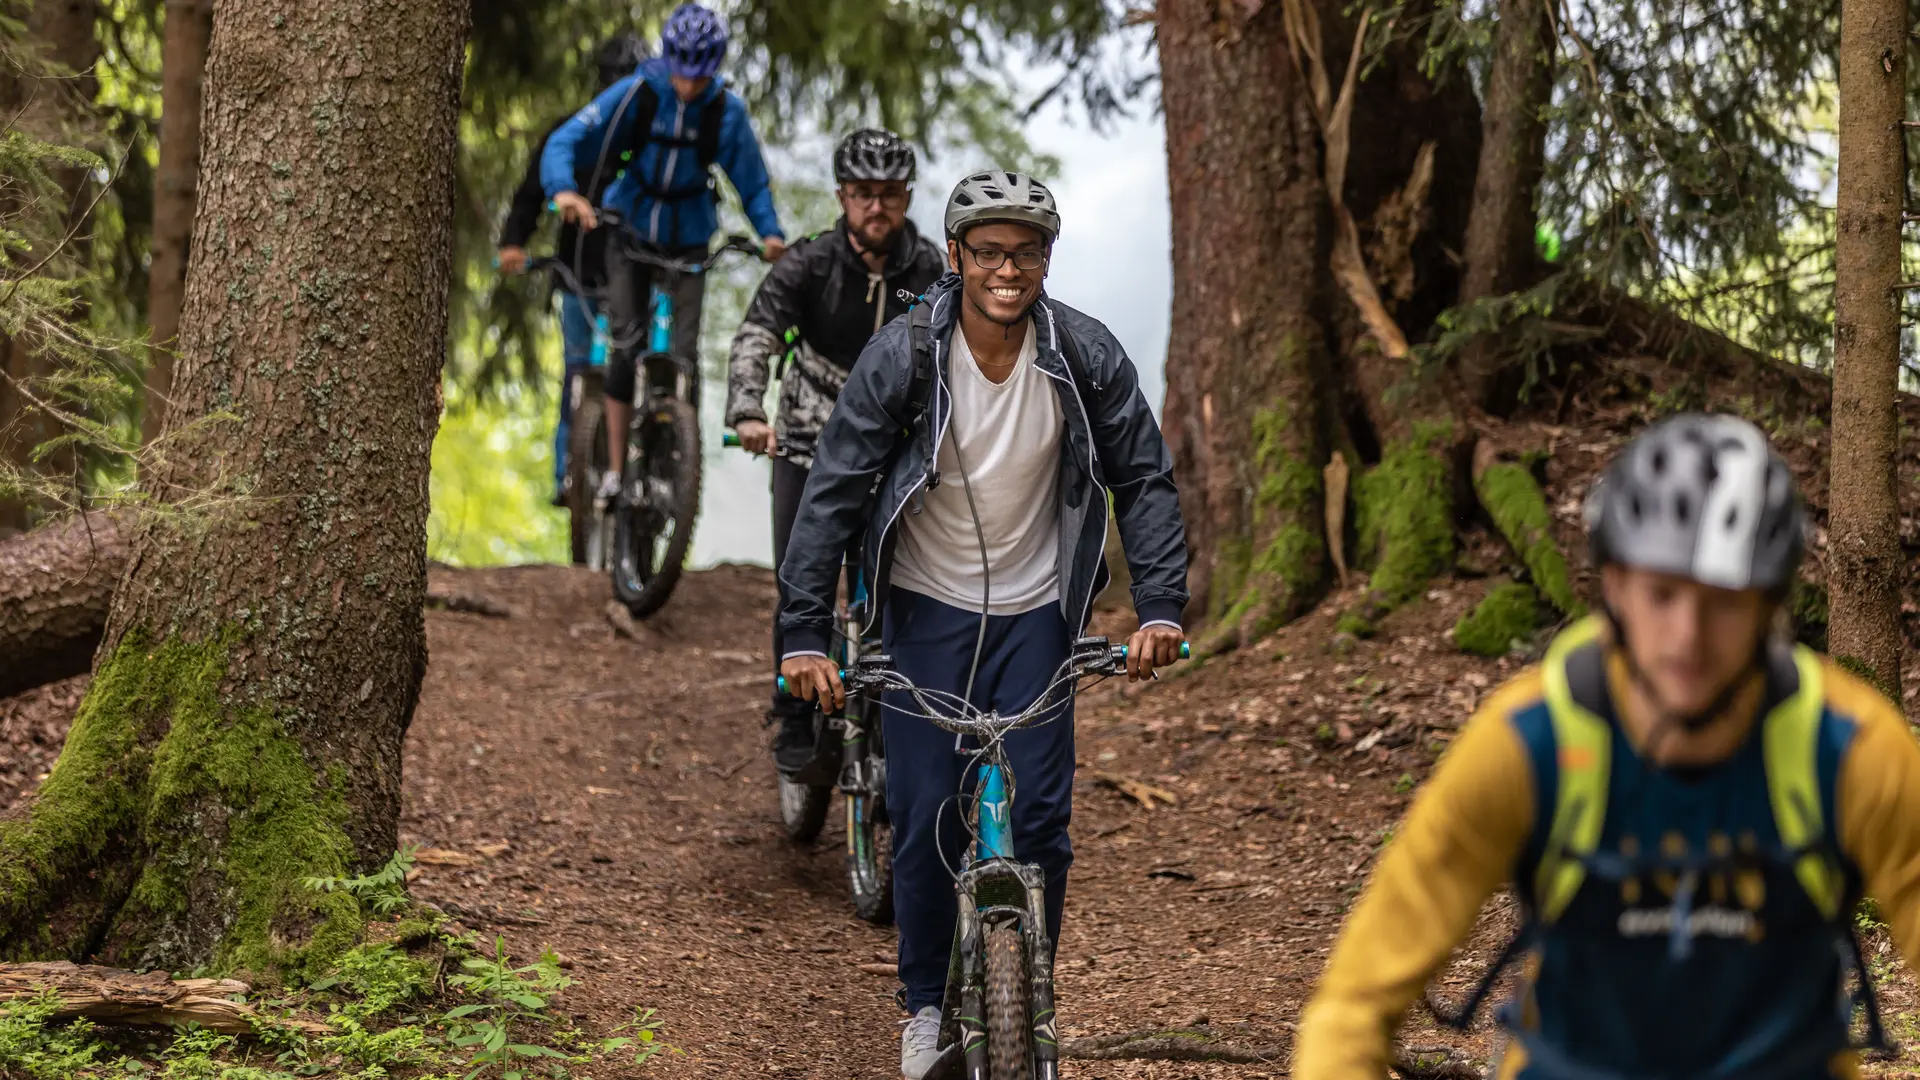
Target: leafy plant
(379, 977)
(32, 1049)
(509, 997)
(644, 1039)
(383, 892)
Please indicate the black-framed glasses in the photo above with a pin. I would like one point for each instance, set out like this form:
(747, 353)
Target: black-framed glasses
(892, 199)
(994, 258)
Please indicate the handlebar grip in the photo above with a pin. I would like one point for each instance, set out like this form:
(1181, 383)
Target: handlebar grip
(730, 439)
(1186, 651)
(781, 681)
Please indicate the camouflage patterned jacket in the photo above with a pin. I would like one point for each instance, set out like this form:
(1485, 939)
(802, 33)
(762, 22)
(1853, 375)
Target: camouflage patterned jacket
(807, 323)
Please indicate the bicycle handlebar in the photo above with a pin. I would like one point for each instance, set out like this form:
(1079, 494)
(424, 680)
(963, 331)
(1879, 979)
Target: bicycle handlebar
(1091, 656)
(563, 269)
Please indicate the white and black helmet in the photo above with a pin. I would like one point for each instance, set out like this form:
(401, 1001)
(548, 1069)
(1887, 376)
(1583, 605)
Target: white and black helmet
(997, 195)
(872, 154)
(1702, 497)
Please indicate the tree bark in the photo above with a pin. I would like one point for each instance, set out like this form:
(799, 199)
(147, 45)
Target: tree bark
(189, 23)
(1865, 565)
(261, 664)
(1499, 253)
(1263, 381)
(56, 586)
(56, 107)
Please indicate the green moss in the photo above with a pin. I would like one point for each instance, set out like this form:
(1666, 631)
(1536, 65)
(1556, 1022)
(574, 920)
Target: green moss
(225, 804)
(90, 802)
(1866, 673)
(1807, 607)
(1519, 510)
(1231, 561)
(1510, 612)
(1356, 624)
(1267, 584)
(1404, 514)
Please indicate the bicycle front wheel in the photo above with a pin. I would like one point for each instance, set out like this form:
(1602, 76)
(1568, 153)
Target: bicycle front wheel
(1009, 1030)
(654, 525)
(869, 830)
(586, 463)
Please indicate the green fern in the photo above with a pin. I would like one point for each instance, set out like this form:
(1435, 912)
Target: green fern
(382, 892)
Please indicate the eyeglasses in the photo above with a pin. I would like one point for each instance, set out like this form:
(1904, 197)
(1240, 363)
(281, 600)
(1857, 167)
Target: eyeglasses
(994, 258)
(892, 200)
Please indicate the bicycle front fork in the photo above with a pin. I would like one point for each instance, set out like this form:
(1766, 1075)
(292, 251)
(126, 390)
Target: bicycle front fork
(983, 888)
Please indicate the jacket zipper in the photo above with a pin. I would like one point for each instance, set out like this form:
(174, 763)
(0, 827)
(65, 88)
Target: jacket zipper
(673, 159)
(874, 282)
(1093, 472)
(879, 571)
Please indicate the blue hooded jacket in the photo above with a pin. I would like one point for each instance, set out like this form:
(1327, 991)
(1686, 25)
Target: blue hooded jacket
(605, 126)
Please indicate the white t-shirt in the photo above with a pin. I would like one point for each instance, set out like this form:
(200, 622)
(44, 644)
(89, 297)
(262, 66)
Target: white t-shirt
(1010, 436)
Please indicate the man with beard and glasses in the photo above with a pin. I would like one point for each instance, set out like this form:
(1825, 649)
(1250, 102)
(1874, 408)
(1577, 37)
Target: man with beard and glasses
(807, 323)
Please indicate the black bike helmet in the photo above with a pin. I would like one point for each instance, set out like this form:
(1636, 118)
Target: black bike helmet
(873, 154)
(618, 56)
(1701, 497)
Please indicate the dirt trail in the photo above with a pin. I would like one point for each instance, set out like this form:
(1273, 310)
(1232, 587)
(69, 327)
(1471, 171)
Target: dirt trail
(631, 781)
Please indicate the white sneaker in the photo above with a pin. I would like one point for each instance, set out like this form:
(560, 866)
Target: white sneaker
(609, 489)
(920, 1043)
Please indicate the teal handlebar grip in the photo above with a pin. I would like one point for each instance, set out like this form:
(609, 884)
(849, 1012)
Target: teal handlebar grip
(730, 439)
(781, 681)
(1186, 651)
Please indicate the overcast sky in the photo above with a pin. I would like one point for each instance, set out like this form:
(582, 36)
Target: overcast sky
(1112, 261)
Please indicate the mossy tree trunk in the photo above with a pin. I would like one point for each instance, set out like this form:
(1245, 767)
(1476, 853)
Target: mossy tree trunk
(1272, 366)
(1865, 564)
(262, 661)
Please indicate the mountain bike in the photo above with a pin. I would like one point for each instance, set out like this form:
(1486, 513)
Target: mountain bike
(850, 756)
(652, 518)
(997, 1018)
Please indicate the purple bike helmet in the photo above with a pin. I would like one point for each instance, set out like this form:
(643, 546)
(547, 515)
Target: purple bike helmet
(694, 41)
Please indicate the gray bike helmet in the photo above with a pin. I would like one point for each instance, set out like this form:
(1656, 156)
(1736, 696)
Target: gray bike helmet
(1001, 196)
(1701, 497)
(872, 154)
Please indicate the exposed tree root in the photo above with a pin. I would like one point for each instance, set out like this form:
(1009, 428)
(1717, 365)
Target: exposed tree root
(56, 584)
(1202, 1042)
(1513, 499)
(122, 998)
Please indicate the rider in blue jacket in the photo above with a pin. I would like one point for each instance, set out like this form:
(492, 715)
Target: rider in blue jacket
(659, 132)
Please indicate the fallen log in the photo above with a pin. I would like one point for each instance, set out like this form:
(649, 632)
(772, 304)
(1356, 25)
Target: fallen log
(113, 997)
(56, 584)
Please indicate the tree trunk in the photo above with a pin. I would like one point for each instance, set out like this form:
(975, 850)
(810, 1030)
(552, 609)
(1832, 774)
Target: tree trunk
(262, 661)
(56, 585)
(1499, 252)
(1865, 565)
(184, 57)
(1262, 378)
(57, 108)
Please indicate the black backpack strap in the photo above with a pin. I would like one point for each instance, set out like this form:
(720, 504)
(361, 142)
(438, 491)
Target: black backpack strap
(920, 335)
(1088, 386)
(706, 141)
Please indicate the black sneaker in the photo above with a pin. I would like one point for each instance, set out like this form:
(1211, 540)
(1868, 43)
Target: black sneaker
(793, 745)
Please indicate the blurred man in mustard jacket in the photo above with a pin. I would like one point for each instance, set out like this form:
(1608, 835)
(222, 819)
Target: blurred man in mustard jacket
(1688, 807)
